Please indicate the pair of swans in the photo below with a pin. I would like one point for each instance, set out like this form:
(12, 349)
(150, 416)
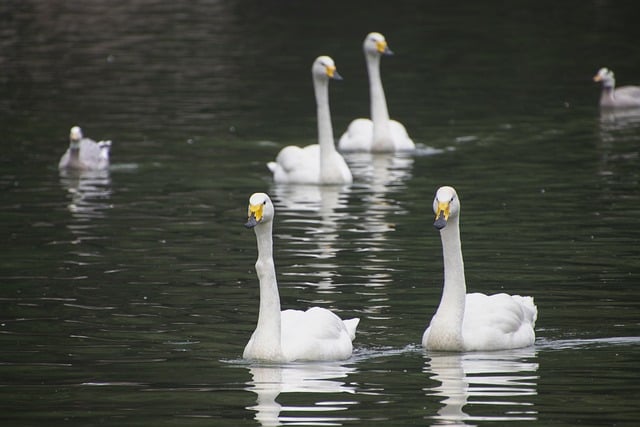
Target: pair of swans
(321, 163)
(463, 322)
(612, 97)
(85, 154)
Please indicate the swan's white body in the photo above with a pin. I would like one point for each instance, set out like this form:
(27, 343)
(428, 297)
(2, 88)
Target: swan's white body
(622, 97)
(380, 133)
(85, 153)
(315, 334)
(318, 163)
(471, 322)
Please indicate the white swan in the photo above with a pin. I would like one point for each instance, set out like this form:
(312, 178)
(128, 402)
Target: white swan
(622, 97)
(318, 163)
(469, 322)
(85, 153)
(315, 334)
(380, 134)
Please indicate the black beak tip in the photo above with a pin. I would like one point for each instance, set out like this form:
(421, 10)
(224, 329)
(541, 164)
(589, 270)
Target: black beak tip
(440, 222)
(251, 223)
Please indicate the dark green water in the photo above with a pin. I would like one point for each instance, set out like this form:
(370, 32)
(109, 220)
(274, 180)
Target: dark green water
(126, 298)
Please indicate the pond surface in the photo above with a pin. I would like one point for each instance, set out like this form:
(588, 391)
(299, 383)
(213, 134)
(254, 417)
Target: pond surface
(127, 296)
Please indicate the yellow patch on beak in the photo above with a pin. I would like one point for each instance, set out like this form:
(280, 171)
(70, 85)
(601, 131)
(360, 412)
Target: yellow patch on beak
(597, 78)
(255, 211)
(381, 46)
(443, 209)
(331, 70)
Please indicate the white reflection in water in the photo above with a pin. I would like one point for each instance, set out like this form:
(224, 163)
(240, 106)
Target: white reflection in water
(90, 194)
(271, 380)
(495, 379)
(382, 176)
(618, 144)
(617, 120)
(301, 203)
(316, 210)
(380, 172)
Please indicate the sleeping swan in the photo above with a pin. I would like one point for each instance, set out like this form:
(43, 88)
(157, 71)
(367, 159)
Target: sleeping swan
(315, 334)
(318, 163)
(85, 153)
(468, 322)
(380, 134)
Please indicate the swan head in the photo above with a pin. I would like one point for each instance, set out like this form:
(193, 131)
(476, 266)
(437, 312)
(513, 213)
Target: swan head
(75, 135)
(605, 76)
(445, 205)
(260, 210)
(375, 44)
(324, 67)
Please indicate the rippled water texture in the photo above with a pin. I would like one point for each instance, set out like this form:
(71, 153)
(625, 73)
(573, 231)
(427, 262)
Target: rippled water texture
(127, 296)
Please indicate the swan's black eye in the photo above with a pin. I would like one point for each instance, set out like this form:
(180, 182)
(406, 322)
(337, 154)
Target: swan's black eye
(264, 203)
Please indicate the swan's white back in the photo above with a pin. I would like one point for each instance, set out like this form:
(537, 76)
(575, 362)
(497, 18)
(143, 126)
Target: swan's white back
(473, 322)
(315, 334)
(380, 133)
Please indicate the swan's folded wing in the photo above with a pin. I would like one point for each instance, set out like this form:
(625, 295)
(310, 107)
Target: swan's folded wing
(400, 136)
(499, 321)
(629, 92)
(315, 334)
(297, 165)
(357, 137)
(92, 154)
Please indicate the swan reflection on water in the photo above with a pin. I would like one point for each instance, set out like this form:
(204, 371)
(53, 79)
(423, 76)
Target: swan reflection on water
(89, 192)
(619, 120)
(317, 212)
(494, 380)
(269, 381)
(90, 197)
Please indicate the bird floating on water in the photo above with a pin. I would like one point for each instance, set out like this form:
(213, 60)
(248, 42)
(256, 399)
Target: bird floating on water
(475, 321)
(285, 336)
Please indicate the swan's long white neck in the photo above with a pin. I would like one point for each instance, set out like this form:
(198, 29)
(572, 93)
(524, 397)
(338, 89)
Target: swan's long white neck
(379, 114)
(446, 325)
(455, 288)
(267, 332)
(325, 129)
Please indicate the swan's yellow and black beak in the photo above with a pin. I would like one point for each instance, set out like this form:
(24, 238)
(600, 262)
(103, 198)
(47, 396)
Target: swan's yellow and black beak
(442, 215)
(255, 215)
(383, 48)
(333, 73)
(597, 78)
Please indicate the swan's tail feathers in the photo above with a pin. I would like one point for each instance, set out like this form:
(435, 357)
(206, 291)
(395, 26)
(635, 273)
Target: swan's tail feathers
(272, 166)
(352, 325)
(104, 147)
(529, 307)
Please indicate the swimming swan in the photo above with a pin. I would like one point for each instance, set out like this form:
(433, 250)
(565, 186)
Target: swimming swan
(622, 97)
(85, 153)
(318, 163)
(469, 322)
(315, 334)
(380, 134)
